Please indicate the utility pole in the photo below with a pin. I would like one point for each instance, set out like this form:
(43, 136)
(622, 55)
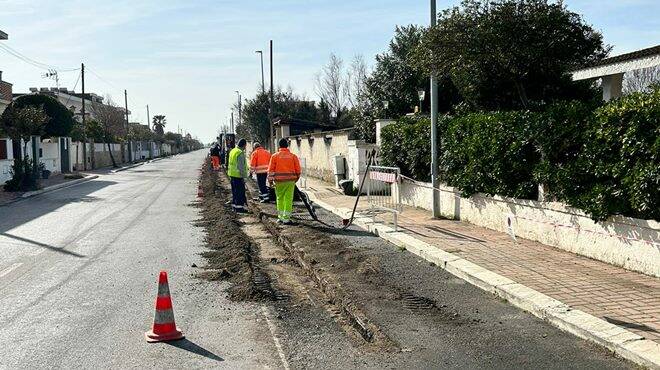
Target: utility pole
(232, 122)
(82, 77)
(271, 110)
(239, 120)
(130, 151)
(263, 82)
(434, 127)
(148, 118)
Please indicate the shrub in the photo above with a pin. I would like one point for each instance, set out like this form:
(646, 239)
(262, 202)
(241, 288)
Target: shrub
(491, 153)
(618, 170)
(407, 145)
(24, 176)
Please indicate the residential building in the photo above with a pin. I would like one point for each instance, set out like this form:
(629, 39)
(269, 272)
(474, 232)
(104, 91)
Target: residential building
(5, 87)
(69, 99)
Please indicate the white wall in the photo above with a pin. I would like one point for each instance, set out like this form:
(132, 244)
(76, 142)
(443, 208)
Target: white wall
(318, 149)
(622, 241)
(5, 164)
(50, 155)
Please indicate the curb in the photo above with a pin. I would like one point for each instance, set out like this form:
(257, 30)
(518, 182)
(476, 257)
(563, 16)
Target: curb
(127, 167)
(31, 194)
(619, 340)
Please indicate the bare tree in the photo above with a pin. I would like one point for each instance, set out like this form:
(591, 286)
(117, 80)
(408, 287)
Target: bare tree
(641, 80)
(331, 86)
(111, 117)
(356, 79)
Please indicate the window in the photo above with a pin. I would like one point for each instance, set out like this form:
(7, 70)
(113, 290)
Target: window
(3, 149)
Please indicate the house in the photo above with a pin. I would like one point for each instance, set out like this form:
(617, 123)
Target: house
(69, 99)
(611, 70)
(285, 127)
(6, 149)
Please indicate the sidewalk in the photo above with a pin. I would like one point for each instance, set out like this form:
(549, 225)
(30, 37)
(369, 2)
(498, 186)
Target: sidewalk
(627, 299)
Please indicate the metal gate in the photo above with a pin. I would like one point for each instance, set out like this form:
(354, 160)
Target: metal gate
(64, 154)
(383, 191)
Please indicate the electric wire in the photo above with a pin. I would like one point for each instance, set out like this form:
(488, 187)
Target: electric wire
(33, 62)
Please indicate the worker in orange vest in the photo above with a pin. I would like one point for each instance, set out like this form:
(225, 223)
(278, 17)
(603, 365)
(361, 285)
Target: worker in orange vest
(259, 162)
(284, 171)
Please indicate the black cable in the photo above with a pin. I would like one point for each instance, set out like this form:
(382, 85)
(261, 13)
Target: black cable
(348, 224)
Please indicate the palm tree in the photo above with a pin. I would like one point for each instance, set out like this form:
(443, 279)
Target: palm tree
(159, 123)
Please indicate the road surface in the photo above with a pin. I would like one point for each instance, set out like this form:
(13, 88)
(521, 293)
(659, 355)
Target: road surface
(78, 278)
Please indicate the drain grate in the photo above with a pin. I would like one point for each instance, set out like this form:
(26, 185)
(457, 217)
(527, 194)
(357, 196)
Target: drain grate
(413, 302)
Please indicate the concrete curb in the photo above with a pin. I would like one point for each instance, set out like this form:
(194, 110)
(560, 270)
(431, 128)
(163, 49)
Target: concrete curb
(127, 167)
(619, 340)
(30, 194)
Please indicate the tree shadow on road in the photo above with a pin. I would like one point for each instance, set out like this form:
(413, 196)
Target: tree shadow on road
(194, 348)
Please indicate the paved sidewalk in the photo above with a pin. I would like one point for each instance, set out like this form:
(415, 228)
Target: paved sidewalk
(627, 299)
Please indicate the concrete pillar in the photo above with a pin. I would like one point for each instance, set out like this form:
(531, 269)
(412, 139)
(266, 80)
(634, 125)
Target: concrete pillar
(612, 86)
(380, 125)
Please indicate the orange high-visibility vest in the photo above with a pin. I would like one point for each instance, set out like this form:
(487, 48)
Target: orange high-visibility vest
(260, 160)
(284, 166)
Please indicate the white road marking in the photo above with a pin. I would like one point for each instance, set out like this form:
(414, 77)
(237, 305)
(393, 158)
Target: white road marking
(10, 269)
(273, 329)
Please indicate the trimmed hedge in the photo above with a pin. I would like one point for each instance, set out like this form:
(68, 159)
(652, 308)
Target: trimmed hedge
(603, 160)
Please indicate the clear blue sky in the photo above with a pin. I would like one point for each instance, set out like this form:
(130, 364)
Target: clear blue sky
(186, 58)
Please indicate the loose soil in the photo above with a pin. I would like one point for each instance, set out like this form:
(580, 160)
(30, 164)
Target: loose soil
(418, 315)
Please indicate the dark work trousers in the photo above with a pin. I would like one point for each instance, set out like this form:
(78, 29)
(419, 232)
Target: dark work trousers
(263, 189)
(238, 201)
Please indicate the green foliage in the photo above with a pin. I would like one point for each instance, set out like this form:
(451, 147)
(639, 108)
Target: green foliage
(618, 170)
(60, 122)
(406, 144)
(22, 122)
(491, 153)
(604, 160)
(93, 130)
(25, 176)
(516, 54)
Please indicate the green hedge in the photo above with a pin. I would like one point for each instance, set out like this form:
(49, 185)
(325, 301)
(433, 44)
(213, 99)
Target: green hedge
(603, 160)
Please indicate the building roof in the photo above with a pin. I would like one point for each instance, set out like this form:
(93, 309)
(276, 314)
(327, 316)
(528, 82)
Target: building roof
(300, 123)
(639, 59)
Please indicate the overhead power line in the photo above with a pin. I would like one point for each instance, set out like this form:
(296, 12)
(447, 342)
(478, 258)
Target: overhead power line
(33, 62)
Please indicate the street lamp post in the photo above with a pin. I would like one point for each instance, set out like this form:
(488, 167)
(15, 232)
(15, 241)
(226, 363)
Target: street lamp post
(434, 128)
(421, 94)
(263, 82)
(239, 121)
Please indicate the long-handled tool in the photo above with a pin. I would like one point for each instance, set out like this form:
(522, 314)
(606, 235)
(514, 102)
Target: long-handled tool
(346, 222)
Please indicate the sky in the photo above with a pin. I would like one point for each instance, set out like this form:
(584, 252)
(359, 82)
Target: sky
(186, 58)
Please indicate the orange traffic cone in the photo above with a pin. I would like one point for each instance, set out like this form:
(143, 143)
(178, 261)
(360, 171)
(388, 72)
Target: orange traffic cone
(200, 192)
(164, 328)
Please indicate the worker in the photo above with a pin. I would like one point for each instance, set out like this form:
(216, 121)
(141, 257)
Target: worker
(284, 171)
(238, 172)
(259, 165)
(215, 157)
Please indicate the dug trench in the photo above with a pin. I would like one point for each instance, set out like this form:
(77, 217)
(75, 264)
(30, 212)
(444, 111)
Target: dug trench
(350, 299)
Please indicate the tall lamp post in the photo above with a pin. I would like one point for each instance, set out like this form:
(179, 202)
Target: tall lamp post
(263, 81)
(240, 119)
(434, 128)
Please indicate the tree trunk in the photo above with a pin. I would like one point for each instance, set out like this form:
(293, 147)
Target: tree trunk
(522, 94)
(112, 157)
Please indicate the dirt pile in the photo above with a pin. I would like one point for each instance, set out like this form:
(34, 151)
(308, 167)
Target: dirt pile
(232, 255)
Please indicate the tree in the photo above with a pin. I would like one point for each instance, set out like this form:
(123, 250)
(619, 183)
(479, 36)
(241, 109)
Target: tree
(19, 123)
(60, 119)
(333, 87)
(396, 80)
(511, 54)
(255, 122)
(641, 80)
(111, 118)
(159, 122)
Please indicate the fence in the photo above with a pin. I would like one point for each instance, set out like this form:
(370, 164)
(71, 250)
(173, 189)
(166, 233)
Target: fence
(383, 193)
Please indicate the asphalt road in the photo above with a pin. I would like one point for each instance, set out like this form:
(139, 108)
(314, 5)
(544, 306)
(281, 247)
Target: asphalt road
(78, 278)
